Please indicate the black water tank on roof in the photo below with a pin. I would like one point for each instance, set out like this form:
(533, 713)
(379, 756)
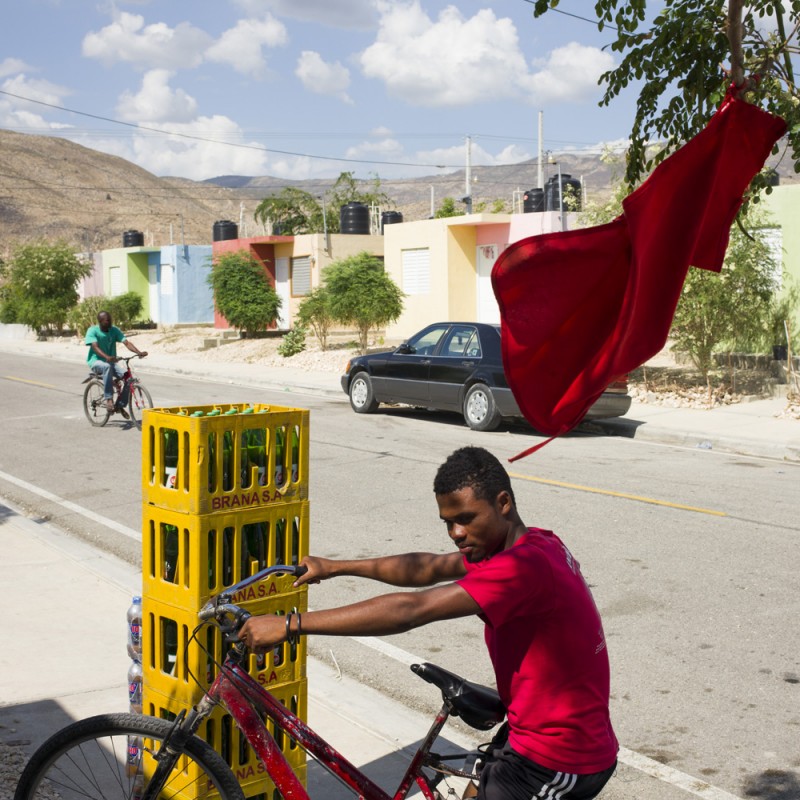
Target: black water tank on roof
(133, 239)
(570, 190)
(533, 201)
(224, 229)
(354, 218)
(390, 218)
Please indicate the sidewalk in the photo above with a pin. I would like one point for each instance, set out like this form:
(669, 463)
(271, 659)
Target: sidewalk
(64, 612)
(745, 428)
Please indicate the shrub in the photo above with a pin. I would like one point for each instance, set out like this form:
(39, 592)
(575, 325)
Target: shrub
(243, 293)
(41, 284)
(362, 294)
(293, 343)
(315, 313)
(123, 309)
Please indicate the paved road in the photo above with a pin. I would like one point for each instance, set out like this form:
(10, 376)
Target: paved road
(690, 554)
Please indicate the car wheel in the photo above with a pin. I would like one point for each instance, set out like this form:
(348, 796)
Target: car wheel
(480, 410)
(362, 396)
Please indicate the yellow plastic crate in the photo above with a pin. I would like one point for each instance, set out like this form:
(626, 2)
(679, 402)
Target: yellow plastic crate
(234, 456)
(188, 558)
(177, 666)
(220, 732)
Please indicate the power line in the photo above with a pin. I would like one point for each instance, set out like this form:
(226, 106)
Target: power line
(216, 141)
(574, 16)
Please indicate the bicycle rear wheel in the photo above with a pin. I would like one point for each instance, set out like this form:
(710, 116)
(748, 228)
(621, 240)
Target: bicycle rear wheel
(111, 757)
(94, 404)
(139, 400)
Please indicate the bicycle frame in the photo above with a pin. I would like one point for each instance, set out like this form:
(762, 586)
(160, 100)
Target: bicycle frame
(243, 698)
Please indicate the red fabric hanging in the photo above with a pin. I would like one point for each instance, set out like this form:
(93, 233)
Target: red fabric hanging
(580, 308)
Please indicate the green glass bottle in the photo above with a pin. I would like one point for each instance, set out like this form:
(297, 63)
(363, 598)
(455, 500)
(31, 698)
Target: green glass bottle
(170, 445)
(170, 533)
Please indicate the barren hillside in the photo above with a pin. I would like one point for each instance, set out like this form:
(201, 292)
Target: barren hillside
(53, 188)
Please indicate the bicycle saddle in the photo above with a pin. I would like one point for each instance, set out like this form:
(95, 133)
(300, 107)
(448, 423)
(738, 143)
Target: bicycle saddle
(479, 706)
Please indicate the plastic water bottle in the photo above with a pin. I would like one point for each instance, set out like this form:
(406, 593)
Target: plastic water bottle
(137, 790)
(135, 629)
(133, 763)
(135, 687)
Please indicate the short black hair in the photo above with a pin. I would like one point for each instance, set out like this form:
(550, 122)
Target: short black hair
(103, 314)
(476, 468)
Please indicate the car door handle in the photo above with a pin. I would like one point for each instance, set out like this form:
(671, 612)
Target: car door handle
(467, 363)
(425, 361)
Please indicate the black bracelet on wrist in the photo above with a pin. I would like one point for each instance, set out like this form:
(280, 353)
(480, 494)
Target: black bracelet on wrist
(299, 629)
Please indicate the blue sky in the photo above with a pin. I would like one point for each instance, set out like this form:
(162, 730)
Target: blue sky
(368, 80)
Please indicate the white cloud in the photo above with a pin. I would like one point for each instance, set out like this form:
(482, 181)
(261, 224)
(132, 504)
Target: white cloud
(570, 74)
(321, 77)
(156, 102)
(17, 113)
(385, 149)
(128, 39)
(189, 158)
(458, 61)
(452, 61)
(11, 66)
(352, 14)
(241, 46)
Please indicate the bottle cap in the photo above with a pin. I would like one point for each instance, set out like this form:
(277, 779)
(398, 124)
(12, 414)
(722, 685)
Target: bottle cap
(137, 598)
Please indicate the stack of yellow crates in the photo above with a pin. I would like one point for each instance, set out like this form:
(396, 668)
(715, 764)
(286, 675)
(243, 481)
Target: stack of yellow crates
(225, 494)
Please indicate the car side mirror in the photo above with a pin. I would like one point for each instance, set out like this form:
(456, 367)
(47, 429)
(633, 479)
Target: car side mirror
(406, 349)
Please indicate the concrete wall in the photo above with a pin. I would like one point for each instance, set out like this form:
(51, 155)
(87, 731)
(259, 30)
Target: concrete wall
(457, 289)
(133, 265)
(322, 251)
(184, 293)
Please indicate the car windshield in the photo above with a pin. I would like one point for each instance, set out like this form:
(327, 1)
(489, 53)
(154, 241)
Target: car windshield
(424, 343)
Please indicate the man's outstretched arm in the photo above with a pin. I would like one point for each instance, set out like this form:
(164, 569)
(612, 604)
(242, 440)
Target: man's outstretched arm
(381, 616)
(408, 569)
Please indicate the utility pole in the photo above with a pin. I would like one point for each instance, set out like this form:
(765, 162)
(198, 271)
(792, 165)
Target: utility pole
(468, 177)
(540, 175)
(433, 210)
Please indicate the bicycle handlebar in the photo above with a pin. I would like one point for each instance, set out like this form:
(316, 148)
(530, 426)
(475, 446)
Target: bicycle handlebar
(220, 606)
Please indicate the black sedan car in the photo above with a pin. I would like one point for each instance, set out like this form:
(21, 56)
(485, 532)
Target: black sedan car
(451, 366)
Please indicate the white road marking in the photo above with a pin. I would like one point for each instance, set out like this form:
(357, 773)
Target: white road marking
(73, 507)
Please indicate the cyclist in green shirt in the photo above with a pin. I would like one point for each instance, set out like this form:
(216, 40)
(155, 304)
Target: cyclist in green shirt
(102, 359)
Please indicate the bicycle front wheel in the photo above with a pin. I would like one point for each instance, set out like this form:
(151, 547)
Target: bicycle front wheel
(111, 757)
(94, 404)
(138, 401)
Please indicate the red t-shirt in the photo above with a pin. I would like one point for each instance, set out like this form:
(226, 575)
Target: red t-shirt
(547, 646)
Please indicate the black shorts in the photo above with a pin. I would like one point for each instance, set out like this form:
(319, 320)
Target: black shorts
(510, 776)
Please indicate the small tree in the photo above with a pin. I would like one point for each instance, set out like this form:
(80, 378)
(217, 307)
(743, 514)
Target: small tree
(362, 294)
(447, 208)
(124, 309)
(315, 313)
(42, 284)
(734, 305)
(243, 293)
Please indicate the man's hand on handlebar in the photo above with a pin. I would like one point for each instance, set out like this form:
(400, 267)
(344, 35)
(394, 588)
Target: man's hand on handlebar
(263, 633)
(318, 570)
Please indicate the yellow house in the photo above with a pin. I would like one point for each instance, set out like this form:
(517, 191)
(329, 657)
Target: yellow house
(444, 266)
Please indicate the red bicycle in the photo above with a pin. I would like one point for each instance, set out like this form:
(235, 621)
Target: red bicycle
(91, 758)
(94, 404)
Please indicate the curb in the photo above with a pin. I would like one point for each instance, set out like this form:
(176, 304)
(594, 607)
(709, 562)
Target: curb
(647, 432)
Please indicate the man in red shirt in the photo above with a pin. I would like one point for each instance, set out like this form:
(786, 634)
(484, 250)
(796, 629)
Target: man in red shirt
(543, 630)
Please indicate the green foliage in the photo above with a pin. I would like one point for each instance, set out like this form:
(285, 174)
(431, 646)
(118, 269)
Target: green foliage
(124, 310)
(293, 342)
(290, 212)
(448, 208)
(315, 313)
(782, 315)
(243, 293)
(726, 308)
(362, 294)
(294, 211)
(497, 206)
(678, 58)
(41, 281)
